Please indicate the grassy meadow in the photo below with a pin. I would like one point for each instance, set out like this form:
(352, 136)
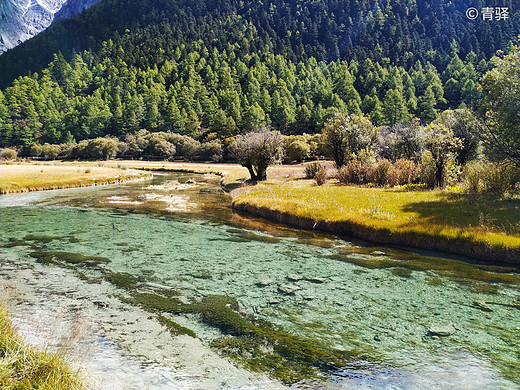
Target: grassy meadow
(436, 215)
(32, 177)
(25, 367)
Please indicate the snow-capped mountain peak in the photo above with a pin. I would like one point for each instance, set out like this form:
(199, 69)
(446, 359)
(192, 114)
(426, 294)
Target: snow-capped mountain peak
(22, 19)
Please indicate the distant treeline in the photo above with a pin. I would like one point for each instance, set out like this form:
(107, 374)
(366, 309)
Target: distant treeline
(226, 67)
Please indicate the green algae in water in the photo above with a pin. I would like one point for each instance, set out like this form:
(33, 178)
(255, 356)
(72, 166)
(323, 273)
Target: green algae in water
(122, 280)
(254, 343)
(355, 305)
(158, 303)
(456, 269)
(292, 357)
(14, 243)
(203, 274)
(56, 257)
(175, 328)
(402, 272)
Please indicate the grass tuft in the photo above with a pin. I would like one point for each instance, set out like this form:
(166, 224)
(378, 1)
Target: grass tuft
(25, 367)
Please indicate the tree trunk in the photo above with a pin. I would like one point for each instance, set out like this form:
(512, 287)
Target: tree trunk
(251, 172)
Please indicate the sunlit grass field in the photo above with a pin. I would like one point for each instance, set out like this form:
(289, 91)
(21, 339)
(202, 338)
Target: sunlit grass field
(32, 177)
(436, 213)
(25, 367)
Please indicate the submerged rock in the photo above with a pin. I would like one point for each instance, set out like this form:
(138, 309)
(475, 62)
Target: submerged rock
(295, 277)
(288, 289)
(441, 330)
(264, 282)
(316, 279)
(481, 306)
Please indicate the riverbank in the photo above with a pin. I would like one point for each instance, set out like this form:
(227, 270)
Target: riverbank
(26, 177)
(483, 228)
(25, 367)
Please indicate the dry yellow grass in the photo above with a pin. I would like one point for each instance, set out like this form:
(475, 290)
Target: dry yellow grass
(422, 214)
(25, 367)
(32, 177)
(230, 172)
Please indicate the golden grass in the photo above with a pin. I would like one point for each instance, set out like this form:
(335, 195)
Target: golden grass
(32, 177)
(435, 214)
(232, 174)
(25, 367)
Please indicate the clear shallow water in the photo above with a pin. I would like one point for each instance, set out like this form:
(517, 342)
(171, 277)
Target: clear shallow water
(182, 235)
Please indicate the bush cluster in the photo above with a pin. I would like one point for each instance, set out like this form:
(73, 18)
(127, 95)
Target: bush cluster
(487, 177)
(8, 154)
(380, 173)
(312, 169)
(142, 145)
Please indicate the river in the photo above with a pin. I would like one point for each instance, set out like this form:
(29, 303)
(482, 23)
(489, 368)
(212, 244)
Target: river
(175, 236)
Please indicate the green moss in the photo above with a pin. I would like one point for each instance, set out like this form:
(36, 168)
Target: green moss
(174, 328)
(255, 343)
(158, 303)
(485, 288)
(122, 280)
(403, 272)
(41, 238)
(56, 257)
(455, 269)
(434, 281)
(14, 243)
(217, 310)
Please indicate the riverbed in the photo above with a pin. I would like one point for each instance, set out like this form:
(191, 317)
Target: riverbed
(403, 328)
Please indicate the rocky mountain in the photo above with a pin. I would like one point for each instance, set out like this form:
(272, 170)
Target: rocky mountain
(73, 7)
(22, 19)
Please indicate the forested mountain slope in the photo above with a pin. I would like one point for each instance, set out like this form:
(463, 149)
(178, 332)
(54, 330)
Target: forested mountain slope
(226, 66)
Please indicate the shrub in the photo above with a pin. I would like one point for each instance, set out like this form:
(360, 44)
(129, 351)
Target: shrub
(499, 177)
(190, 148)
(355, 172)
(50, 152)
(403, 172)
(36, 150)
(209, 151)
(95, 149)
(158, 147)
(379, 172)
(321, 176)
(488, 177)
(8, 154)
(473, 177)
(66, 150)
(312, 169)
(427, 170)
(345, 135)
(297, 151)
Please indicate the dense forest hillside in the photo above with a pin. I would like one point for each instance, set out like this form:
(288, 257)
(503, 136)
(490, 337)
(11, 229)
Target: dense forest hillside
(227, 66)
